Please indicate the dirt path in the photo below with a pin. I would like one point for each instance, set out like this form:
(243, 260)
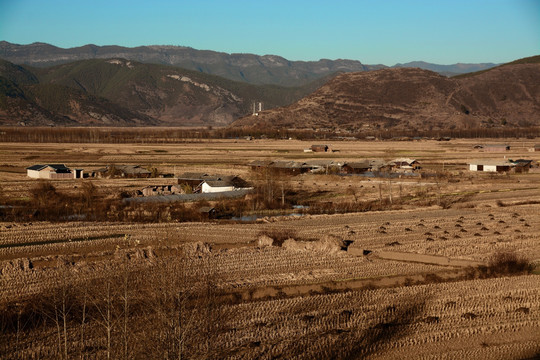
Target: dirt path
(268, 292)
(420, 258)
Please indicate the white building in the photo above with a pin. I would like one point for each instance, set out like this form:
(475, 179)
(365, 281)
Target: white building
(53, 171)
(491, 165)
(216, 186)
(221, 184)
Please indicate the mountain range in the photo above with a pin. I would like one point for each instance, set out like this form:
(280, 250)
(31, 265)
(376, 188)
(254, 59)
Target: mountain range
(343, 94)
(415, 99)
(253, 69)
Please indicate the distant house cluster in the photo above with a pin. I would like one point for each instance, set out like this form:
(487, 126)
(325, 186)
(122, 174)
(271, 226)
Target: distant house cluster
(336, 167)
(53, 171)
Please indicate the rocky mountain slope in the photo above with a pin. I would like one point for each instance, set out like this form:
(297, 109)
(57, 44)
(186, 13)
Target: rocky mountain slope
(119, 92)
(409, 99)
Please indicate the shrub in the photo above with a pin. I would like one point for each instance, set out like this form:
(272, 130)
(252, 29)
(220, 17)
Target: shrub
(507, 263)
(279, 235)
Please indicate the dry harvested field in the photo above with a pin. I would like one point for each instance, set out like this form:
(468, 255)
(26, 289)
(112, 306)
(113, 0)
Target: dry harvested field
(436, 273)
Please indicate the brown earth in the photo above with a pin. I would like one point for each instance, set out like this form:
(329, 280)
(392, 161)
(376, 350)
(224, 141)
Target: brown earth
(305, 301)
(409, 99)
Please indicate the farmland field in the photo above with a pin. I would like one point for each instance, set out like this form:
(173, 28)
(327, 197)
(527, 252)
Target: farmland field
(382, 268)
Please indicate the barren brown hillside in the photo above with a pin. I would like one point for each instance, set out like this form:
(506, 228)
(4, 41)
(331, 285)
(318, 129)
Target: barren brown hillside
(412, 98)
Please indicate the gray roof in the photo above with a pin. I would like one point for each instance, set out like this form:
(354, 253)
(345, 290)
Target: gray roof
(322, 162)
(232, 180)
(218, 183)
(359, 164)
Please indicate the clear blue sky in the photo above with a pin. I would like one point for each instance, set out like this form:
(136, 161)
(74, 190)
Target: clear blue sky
(372, 31)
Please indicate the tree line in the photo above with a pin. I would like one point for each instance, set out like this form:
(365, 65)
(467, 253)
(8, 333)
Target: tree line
(181, 135)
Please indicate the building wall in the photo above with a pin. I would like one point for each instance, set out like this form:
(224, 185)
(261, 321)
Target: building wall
(53, 175)
(47, 173)
(489, 168)
(209, 189)
(33, 174)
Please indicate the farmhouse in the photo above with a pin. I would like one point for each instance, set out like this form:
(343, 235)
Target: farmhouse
(323, 166)
(206, 183)
(53, 171)
(356, 167)
(404, 164)
(222, 184)
(320, 148)
(491, 165)
(127, 171)
(522, 165)
(378, 165)
(289, 167)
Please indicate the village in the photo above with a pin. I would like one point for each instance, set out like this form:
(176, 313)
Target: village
(200, 182)
(277, 183)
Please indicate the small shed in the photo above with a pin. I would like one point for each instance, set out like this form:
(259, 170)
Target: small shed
(356, 167)
(320, 148)
(208, 211)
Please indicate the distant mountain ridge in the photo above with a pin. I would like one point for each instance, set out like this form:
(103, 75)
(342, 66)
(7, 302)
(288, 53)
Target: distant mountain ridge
(250, 68)
(253, 69)
(448, 70)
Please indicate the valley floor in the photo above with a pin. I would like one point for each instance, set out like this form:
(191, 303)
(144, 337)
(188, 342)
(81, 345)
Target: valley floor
(417, 281)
